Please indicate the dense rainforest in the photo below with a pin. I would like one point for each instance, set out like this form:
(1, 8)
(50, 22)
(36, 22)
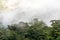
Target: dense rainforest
(35, 30)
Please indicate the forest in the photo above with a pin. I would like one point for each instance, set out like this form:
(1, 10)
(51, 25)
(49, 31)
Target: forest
(35, 30)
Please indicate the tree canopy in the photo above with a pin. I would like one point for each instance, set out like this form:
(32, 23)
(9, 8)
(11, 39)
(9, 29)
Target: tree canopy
(38, 30)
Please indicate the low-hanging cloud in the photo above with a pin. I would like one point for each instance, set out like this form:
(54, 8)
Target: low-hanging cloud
(46, 10)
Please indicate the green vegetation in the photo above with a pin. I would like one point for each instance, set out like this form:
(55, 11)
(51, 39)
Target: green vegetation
(36, 30)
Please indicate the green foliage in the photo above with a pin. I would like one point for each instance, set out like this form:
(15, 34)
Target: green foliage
(38, 30)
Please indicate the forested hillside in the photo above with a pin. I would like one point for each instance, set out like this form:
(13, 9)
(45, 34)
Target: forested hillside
(36, 30)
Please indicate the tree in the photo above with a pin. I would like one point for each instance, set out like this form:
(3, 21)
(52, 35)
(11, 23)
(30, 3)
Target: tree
(36, 32)
(55, 32)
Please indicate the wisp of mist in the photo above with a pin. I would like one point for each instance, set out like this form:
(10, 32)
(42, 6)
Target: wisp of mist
(25, 10)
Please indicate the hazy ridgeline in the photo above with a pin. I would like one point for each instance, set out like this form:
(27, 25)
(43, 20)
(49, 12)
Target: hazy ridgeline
(34, 30)
(16, 19)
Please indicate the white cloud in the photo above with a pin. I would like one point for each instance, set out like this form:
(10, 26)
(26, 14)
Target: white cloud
(26, 9)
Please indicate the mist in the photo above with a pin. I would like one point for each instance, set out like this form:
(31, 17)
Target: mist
(25, 10)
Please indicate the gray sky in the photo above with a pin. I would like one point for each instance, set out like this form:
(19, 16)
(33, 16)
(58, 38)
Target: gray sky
(24, 10)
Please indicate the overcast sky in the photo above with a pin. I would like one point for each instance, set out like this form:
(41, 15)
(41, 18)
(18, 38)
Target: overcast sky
(24, 10)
